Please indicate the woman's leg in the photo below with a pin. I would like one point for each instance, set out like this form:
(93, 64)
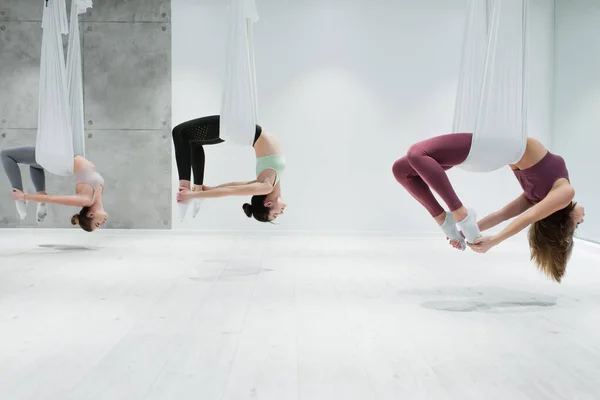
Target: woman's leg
(431, 159)
(11, 158)
(424, 168)
(38, 177)
(203, 131)
(198, 163)
(406, 175)
(183, 157)
(189, 138)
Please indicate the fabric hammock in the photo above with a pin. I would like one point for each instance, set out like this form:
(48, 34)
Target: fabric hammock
(491, 99)
(60, 134)
(239, 111)
(75, 77)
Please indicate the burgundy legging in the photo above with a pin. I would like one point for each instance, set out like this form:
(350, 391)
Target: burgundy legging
(423, 168)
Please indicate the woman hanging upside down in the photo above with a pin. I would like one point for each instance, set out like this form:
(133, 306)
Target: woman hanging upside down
(88, 188)
(546, 204)
(266, 203)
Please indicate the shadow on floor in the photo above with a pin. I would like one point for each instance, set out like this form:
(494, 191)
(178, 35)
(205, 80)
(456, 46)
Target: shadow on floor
(489, 299)
(66, 247)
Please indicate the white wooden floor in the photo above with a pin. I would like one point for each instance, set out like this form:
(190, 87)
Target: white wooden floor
(140, 315)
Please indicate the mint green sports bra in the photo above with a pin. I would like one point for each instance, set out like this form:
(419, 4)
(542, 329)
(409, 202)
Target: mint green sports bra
(276, 162)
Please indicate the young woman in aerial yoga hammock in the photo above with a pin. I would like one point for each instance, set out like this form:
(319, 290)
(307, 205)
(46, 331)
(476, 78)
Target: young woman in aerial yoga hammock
(89, 188)
(60, 140)
(546, 203)
(266, 203)
(492, 104)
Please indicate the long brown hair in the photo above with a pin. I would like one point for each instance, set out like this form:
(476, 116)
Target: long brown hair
(551, 242)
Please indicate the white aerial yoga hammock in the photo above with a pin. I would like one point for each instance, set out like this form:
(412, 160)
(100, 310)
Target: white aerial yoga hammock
(239, 111)
(491, 100)
(75, 77)
(60, 134)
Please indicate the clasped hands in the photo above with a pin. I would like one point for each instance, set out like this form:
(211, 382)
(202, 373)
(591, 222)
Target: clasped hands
(480, 245)
(185, 194)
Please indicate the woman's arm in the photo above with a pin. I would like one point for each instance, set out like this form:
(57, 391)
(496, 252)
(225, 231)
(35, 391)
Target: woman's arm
(251, 189)
(75, 200)
(511, 210)
(556, 200)
(231, 184)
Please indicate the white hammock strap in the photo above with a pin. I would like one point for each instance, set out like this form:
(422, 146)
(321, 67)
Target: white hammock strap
(239, 109)
(491, 102)
(525, 84)
(54, 137)
(75, 77)
(82, 5)
(57, 15)
(470, 81)
(60, 112)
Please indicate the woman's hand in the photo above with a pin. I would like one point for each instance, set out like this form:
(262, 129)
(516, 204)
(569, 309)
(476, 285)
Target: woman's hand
(184, 195)
(18, 195)
(483, 244)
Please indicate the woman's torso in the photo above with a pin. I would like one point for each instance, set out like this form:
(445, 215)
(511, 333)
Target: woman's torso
(539, 171)
(87, 180)
(266, 145)
(270, 162)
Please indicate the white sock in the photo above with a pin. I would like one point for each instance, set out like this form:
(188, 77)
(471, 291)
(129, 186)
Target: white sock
(469, 227)
(449, 228)
(21, 208)
(42, 212)
(196, 203)
(183, 207)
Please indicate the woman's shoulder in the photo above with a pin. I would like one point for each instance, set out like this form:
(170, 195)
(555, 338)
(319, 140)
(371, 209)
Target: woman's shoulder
(535, 146)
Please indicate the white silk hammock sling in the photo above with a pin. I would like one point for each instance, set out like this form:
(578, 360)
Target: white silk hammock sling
(491, 100)
(60, 134)
(239, 111)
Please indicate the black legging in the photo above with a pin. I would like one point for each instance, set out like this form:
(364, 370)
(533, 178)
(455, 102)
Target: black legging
(189, 138)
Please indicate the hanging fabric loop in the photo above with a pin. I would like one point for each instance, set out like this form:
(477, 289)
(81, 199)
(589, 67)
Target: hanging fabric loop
(239, 110)
(491, 98)
(470, 81)
(60, 134)
(75, 77)
(54, 144)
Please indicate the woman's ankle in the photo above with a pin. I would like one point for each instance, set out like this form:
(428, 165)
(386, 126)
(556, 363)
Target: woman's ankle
(460, 214)
(440, 219)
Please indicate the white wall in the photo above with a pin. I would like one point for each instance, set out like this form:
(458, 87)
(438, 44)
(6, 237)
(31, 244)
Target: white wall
(347, 86)
(577, 103)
